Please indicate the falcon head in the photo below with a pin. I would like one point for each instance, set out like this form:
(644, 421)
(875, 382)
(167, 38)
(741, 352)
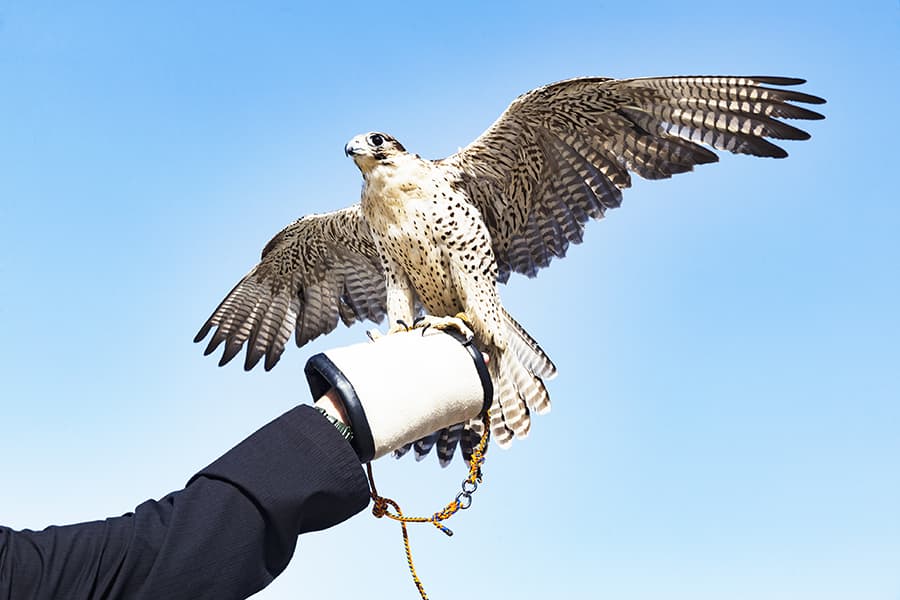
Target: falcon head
(370, 149)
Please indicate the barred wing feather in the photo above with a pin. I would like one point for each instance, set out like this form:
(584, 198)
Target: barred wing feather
(562, 154)
(320, 269)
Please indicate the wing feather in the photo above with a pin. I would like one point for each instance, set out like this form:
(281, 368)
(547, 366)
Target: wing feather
(317, 270)
(561, 155)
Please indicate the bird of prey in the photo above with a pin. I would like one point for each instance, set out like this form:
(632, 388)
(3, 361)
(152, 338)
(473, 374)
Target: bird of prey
(437, 236)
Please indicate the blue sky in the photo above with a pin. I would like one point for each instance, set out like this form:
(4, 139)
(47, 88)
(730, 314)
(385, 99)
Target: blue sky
(725, 418)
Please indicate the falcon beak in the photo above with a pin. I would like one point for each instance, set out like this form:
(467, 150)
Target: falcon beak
(353, 148)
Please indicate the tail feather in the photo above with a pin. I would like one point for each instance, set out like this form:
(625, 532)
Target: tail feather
(510, 415)
(447, 441)
(520, 392)
(529, 352)
(533, 392)
(402, 450)
(424, 445)
(501, 433)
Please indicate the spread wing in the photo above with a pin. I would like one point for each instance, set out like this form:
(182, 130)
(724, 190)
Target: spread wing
(317, 270)
(563, 153)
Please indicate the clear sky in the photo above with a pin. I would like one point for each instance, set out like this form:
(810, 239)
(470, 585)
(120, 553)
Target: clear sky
(725, 421)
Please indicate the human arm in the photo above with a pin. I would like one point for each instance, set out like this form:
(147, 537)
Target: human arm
(227, 534)
(234, 526)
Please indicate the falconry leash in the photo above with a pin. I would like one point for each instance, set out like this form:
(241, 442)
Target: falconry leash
(462, 501)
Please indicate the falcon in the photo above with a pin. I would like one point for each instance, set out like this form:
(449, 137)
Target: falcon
(433, 238)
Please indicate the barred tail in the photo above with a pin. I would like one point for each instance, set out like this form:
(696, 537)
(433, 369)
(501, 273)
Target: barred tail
(519, 391)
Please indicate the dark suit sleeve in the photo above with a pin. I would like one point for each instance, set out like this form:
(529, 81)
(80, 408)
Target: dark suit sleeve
(227, 534)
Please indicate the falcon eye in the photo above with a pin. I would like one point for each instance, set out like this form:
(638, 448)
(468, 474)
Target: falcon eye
(376, 140)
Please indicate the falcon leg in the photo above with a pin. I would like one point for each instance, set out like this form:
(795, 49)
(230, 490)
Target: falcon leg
(399, 297)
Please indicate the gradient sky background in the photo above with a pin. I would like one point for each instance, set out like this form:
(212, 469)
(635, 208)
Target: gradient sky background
(725, 421)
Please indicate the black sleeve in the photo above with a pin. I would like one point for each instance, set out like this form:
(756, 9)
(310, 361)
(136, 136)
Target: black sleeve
(227, 534)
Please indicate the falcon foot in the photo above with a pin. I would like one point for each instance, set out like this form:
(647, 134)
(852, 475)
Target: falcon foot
(460, 323)
(399, 327)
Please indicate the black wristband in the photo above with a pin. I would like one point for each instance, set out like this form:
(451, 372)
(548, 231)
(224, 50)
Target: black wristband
(345, 430)
(322, 375)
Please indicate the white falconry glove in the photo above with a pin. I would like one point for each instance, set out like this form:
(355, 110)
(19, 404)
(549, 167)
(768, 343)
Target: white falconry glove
(401, 387)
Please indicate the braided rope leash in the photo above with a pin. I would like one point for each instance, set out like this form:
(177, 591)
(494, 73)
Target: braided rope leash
(462, 501)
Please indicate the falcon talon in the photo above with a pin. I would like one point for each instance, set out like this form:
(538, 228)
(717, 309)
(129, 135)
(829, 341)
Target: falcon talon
(424, 329)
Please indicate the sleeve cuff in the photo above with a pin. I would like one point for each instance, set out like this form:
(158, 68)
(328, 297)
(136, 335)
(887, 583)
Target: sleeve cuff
(298, 470)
